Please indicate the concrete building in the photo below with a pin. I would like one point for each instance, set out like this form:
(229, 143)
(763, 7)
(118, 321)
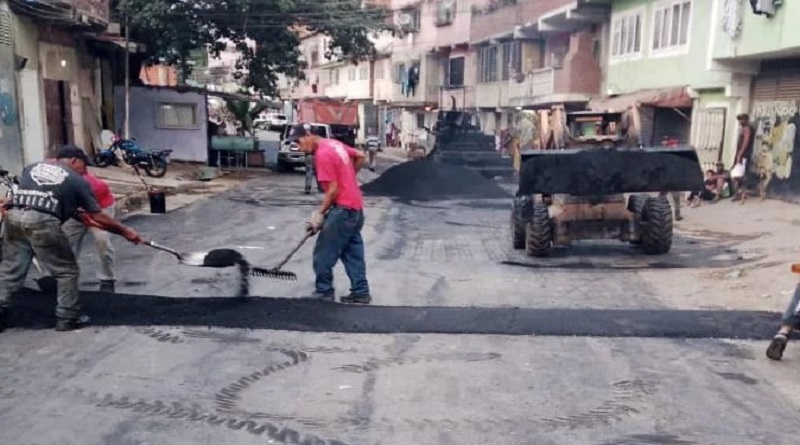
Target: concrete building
(533, 54)
(50, 83)
(760, 48)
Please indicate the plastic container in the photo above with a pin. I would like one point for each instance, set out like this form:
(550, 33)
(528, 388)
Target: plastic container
(158, 201)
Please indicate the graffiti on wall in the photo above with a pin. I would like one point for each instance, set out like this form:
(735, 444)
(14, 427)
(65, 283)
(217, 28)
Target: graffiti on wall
(777, 150)
(8, 108)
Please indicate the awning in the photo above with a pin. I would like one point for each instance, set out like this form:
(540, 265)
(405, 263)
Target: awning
(662, 98)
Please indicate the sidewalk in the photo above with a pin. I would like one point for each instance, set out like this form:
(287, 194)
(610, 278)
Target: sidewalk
(759, 237)
(180, 184)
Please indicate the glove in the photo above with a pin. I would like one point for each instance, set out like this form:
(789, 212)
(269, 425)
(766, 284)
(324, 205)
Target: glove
(314, 224)
(132, 236)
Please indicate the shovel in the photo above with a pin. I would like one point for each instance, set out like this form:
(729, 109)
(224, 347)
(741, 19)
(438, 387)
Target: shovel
(213, 258)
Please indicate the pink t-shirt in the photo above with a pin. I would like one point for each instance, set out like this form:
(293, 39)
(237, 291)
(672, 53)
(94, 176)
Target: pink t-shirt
(334, 163)
(102, 193)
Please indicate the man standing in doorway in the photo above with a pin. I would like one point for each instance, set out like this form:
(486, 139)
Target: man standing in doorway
(49, 194)
(76, 231)
(339, 219)
(744, 154)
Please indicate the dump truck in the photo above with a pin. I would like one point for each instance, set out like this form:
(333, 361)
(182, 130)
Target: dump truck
(342, 116)
(594, 180)
(459, 141)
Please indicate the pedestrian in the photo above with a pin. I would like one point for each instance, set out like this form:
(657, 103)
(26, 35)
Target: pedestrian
(789, 322)
(50, 193)
(742, 162)
(340, 218)
(76, 232)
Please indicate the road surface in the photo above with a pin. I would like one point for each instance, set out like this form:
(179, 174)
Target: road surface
(468, 341)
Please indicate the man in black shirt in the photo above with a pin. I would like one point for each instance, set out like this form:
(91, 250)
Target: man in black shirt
(49, 194)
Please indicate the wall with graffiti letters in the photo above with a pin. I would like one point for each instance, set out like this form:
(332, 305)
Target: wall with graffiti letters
(10, 137)
(777, 147)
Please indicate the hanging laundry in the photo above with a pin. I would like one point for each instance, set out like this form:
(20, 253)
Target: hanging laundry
(412, 79)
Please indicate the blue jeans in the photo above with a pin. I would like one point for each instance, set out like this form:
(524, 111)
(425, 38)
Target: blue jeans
(340, 238)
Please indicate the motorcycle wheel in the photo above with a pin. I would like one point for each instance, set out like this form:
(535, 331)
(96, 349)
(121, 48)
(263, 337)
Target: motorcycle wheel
(157, 168)
(103, 161)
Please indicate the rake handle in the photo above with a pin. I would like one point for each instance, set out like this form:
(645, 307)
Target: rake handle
(291, 254)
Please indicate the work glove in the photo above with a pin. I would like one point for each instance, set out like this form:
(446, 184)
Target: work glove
(314, 224)
(132, 236)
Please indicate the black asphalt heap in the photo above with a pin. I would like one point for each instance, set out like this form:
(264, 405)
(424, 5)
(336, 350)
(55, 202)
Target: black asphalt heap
(427, 180)
(34, 310)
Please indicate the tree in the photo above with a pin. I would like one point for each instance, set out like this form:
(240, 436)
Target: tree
(171, 29)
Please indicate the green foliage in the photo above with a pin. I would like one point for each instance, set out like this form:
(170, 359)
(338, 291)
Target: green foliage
(172, 29)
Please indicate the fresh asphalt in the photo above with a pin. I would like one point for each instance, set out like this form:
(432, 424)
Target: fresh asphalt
(468, 341)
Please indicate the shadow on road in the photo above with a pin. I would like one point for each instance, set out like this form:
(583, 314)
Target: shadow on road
(33, 310)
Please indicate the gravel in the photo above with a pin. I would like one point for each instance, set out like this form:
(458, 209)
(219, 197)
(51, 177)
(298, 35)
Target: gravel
(428, 180)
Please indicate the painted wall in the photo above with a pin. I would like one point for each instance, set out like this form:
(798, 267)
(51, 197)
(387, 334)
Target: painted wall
(649, 70)
(10, 138)
(759, 35)
(187, 144)
(777, 149)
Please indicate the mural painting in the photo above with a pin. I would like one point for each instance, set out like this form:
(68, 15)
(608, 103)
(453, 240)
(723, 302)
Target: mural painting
(777, 150)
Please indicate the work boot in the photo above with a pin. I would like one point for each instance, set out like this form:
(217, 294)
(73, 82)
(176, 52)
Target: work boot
(357, 299)
(3, 320)
(71, 324)
(107, 286)
(308, 190)
(777, 346)
(319, 296)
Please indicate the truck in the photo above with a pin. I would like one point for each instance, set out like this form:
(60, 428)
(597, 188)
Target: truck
(329, 118)
(594, 180)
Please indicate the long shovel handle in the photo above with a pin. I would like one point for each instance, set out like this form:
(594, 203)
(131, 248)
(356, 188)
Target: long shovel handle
(291, 254)
(154, 245)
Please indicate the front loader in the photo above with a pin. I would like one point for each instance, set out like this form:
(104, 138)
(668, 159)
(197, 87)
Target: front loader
(594, 181)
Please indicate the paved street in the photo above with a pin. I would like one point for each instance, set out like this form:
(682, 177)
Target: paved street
(468, 341)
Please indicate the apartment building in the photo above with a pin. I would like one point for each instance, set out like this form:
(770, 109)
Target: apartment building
(760, 47)
(531, 55)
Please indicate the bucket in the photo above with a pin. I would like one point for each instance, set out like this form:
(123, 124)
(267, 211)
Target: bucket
(158, 201)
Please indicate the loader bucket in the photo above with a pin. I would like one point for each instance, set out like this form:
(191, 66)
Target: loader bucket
(594, 171)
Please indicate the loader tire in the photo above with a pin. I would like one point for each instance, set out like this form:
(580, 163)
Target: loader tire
(538, 232)
(520, 212)
(657, 226)
(636, 206)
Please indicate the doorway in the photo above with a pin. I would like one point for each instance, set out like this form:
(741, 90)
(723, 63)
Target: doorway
(58, 115)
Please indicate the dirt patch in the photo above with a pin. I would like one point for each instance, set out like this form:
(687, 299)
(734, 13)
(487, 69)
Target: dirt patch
(427, 180)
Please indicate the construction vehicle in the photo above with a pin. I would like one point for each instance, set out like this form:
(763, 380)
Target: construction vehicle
(594, 180)
(460, 141)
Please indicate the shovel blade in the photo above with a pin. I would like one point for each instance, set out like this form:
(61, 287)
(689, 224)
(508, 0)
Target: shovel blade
(193, 259)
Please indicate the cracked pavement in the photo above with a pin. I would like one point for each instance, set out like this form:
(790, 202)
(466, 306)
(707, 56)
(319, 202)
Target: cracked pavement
(468, 341)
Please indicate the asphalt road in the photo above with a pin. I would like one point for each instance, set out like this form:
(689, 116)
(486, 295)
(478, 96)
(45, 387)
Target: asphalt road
(468, 342)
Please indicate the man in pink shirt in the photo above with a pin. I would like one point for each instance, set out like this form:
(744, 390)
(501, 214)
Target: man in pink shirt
(340, 218)
(76, 231)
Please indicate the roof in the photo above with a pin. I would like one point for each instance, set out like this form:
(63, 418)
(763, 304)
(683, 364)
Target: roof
(677, 97)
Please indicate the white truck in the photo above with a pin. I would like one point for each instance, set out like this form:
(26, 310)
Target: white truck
(289, 155)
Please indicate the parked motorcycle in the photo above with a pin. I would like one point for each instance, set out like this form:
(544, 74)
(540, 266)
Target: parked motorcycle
(154, 162)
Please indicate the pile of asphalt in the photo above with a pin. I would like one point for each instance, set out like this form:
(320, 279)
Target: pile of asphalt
(428, 180)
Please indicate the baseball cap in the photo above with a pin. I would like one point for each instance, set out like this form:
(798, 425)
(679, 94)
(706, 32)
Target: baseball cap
(298, 131)
(71, 151)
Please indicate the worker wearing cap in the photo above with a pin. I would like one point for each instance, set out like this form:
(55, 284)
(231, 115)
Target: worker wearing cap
(339, 219)
(49, 194)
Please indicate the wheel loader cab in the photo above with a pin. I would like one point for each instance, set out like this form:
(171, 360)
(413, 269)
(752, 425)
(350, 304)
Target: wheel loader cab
(600, 185)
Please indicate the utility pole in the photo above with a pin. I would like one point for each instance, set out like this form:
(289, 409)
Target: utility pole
(126, 125)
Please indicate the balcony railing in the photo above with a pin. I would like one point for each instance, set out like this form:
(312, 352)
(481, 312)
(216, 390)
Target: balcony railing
(538, 83)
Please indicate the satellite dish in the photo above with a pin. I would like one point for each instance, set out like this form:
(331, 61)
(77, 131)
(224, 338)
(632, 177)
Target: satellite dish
(404, 19)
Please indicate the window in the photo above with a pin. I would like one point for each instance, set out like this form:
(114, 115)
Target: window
(512, 59)
(334, 76)
(420, 120)
(379, 71)
(175, 115)
(626, 35)
(487, 64)
(671, 25)
(351, 74)
(314, 58)
(445, 10)
(399, 72)
(363, 73)
(409, 19)
(455, 72)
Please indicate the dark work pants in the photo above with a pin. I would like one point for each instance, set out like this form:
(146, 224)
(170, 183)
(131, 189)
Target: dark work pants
(28, 233)
(792, 315)
(340, 238)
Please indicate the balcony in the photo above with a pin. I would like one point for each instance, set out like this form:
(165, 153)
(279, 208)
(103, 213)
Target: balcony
(536, 87)
(86, 14)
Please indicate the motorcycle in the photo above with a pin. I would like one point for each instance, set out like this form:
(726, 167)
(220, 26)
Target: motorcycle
(154, 162)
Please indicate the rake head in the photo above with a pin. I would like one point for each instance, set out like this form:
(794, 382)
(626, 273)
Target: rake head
(275, 274)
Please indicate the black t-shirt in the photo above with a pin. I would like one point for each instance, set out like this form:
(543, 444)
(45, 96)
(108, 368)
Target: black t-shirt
(52, 188)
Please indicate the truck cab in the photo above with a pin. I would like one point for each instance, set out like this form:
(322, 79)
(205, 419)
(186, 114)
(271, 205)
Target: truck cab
(289, 154)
